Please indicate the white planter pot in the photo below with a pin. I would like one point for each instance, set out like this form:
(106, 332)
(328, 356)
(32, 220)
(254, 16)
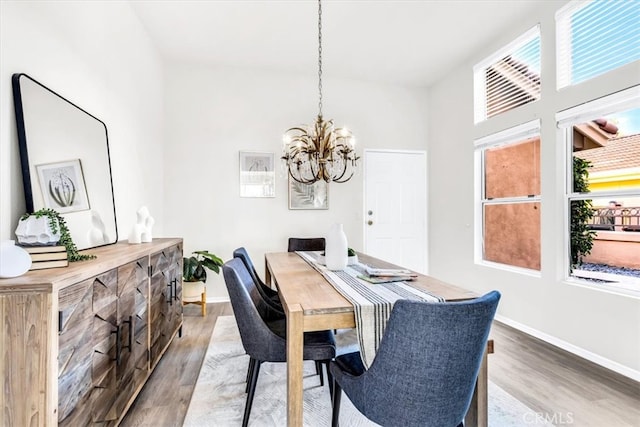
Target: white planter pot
(192, 291)
(36, 231)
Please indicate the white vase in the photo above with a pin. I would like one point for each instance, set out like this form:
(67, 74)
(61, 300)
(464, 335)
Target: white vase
(14, 261)
(336, 248)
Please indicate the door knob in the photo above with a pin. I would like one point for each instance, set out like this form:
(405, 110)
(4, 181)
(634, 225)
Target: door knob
(370, 222)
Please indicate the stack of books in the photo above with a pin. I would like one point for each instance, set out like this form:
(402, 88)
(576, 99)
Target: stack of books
(386, 275)
(47, 256)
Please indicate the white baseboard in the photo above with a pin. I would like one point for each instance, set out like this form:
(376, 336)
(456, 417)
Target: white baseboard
(211, 300)
(578, 351)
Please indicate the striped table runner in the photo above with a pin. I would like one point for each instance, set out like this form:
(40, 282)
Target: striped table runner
(372, 303)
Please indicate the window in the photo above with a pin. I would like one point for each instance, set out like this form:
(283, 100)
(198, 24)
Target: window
(594, 37)
(509, 78)
(602, 141)
(508, 165)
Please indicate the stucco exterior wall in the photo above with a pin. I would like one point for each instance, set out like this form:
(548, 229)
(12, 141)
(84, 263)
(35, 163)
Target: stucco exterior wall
(618, 249)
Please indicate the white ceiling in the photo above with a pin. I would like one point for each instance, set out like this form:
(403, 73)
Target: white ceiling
(391, 41)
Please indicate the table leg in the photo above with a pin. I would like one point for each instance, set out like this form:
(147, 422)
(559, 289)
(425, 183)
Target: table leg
(267, 276)
(295, 342)
(477, 415)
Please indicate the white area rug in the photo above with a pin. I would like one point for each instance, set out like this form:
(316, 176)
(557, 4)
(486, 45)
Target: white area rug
(219, 398)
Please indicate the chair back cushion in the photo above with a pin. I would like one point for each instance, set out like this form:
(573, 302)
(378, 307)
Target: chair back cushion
(244, 256)
(306, 244)
(426, 367)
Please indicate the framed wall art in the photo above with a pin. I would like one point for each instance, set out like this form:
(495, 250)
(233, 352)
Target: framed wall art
(63, 187)
(308, 196)
(257, 174)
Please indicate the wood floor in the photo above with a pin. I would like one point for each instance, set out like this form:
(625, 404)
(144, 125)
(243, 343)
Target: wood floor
(559, 387)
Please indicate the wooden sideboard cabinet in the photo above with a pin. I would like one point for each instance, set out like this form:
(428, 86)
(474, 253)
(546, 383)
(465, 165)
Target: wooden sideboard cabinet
(80, 342)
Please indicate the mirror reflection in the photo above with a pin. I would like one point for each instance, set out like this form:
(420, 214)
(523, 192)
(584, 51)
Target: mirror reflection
(64, 153)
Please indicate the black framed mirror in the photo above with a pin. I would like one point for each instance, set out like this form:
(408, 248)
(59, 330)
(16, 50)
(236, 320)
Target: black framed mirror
(64, 154)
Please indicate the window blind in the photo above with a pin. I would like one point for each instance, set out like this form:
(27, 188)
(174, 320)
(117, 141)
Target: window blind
(509, 78)
(593, 37)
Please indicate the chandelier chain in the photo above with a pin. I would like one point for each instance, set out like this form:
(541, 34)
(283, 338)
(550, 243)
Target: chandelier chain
(320, 58)
(319, 152)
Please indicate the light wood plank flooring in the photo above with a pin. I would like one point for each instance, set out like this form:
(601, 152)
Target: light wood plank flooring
(558, 386)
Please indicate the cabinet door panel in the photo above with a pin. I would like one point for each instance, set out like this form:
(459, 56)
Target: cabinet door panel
(132, 282)
(141, 326)
(75, 351)
(105, 308)
(166, 298)
(159, 282)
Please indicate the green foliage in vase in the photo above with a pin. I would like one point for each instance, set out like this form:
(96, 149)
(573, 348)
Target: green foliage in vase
(581, 213)
(193, 267)
(56, 220)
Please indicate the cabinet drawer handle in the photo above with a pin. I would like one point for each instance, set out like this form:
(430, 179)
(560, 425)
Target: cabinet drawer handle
(175, 289)
(118, 345)
(130, 340)
(170, 293)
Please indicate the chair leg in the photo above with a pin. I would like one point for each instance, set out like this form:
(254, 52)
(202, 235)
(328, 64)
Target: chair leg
(252, 364)
(329, 378)
(252, 389)
(337, 394)
(319, 372)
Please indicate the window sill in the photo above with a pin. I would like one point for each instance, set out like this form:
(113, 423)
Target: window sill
(510, 268)
(628, 288)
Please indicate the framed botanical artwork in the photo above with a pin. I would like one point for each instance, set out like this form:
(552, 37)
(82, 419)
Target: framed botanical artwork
(257, 174)
(308, 196)
(63, 187)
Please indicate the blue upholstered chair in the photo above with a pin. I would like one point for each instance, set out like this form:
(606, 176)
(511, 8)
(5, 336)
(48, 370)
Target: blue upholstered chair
(426, 366)
(306, 244)
(266, 341)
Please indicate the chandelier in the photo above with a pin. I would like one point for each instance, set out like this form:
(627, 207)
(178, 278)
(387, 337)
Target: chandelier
(319, 151)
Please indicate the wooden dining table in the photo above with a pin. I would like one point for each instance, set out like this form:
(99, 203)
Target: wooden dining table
(312, 304)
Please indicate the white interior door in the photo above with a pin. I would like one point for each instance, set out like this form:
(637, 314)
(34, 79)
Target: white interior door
(396, 207)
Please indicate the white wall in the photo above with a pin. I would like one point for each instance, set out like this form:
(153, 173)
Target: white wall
(601, 326)
(98, 56)
(215, 112)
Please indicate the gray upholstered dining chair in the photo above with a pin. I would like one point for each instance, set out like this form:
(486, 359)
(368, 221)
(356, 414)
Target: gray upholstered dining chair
(426, 366)
(306, 244)
(266, 341)
(271, 297)
(273, 311)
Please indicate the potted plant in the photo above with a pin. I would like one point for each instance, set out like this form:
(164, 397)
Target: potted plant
(57, 225)
(194, 277)
(352, 257)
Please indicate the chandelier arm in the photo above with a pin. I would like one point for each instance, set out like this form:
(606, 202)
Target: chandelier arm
(344, 170)
(296, 128)
(296, 179)
(344, 180)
